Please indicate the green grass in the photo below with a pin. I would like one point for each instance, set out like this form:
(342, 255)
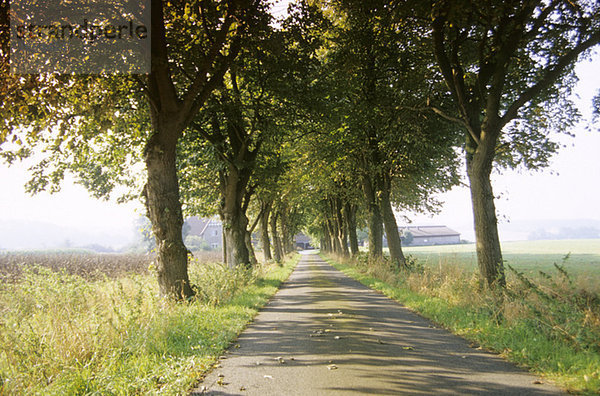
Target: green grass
(550, 325)
(63, 334)
(528, 256)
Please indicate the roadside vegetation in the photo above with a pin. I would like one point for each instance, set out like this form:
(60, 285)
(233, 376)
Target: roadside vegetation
(547, 321)
(64, 332)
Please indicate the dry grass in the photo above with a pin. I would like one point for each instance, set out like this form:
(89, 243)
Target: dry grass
(95, 324)
(549, 321)
(91, 266)
(88, 265)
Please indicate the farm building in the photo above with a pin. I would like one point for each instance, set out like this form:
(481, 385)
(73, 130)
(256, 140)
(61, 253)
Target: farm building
(209, 229)
(302, 241)
(429, 235)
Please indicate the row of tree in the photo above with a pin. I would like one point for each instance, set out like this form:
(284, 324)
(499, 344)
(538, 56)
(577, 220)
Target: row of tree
(326, 121)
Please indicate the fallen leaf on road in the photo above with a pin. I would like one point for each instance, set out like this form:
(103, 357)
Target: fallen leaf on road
(221, 382)
(408, 348)
(537, 382)
(242, 388)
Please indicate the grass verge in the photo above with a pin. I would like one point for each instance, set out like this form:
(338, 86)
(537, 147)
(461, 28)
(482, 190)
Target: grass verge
(551, 331)
(63, 334)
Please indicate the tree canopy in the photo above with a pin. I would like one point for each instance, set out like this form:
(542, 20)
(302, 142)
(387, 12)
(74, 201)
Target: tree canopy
(330, 119)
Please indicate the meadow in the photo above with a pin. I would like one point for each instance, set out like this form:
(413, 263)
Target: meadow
(546, 320)
(581, 257)
(78, 323)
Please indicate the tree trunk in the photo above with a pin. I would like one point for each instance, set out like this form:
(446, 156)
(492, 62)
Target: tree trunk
(285, 231)
(333, 234)
(250, 247)
(341, 228)
(235, 222)
(375, 221)
(350, 219)
(234, 225)
(326, 240)
(264, 231)
(391, 227)
(489, 253)
(164, 211)
(224, 248)
(277, 250)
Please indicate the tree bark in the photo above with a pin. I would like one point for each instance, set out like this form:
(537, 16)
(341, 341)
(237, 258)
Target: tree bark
(350, 219)
(285, 231)
(250, 247)
(391, 227)
(489, 253)
(164, 211)
(235, 222)
(326, 240)
(375, 221)
(277, 249)
(264, 231)
(234, 225)
(341, 228)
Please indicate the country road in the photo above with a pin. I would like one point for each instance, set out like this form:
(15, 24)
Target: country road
(326, 334)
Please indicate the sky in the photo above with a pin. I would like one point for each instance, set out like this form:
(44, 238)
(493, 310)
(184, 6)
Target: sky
(568, 190)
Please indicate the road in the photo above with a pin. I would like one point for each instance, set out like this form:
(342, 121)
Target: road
(325, 334)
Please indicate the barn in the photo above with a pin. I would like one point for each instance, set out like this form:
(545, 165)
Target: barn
(429, 235)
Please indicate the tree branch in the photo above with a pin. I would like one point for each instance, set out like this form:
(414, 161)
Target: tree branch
(552, 74)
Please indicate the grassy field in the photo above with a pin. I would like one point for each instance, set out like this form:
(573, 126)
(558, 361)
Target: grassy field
(549, 323)
(526, 256)
(96, 325)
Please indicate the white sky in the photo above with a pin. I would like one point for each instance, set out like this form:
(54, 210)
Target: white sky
(567, 190)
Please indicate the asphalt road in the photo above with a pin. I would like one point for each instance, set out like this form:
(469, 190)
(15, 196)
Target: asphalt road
(326, 334)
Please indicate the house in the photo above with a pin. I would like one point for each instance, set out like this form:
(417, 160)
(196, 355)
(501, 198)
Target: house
(209, 229)
(302, 242)
(429, 235)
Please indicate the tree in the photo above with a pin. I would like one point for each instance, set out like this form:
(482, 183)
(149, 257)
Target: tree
(378, 65)
(187, 64)
(508, 67)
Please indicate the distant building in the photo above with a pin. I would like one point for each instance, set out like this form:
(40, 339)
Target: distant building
(429, 235)
(209, 229)
(302, 242)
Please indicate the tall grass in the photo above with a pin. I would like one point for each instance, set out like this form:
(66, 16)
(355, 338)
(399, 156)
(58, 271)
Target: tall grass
(61, 333)
(549, 322)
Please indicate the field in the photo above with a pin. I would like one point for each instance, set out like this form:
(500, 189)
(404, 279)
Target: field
(526, 256)
(547, 319)
(79, 323)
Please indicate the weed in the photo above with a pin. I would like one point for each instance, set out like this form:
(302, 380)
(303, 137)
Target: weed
(66, 333)
(548, 322)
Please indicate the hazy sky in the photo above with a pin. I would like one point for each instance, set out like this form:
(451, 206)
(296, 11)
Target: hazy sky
(570, 189)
